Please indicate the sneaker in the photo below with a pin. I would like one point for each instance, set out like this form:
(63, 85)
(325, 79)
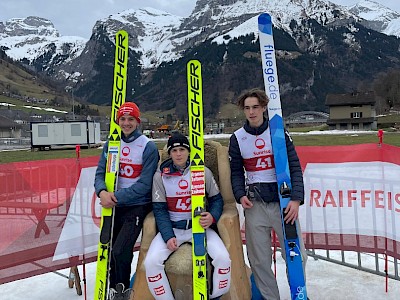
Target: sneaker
(119, 293)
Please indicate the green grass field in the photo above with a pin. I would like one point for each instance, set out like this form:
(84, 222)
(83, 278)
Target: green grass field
(391, 138)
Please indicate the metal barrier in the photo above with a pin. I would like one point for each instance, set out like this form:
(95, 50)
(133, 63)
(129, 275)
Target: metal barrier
(14, 143)
(378, 264)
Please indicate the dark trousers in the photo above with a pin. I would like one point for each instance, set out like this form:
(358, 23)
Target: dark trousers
(128, 222)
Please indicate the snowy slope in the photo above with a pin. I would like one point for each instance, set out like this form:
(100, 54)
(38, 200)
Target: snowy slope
(32, 46)
(383, 19)
(240, 17)
(150, 32)
(30, 38)
(284, 11)
(325, 281)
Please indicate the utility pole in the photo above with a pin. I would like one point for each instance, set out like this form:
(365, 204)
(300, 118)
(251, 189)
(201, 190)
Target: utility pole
(73, 105)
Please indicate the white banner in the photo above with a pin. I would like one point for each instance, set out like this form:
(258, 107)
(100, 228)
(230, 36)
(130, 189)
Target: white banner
(80, 234)
(361, 198)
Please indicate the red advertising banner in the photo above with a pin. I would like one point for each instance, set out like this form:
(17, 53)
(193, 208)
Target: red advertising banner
(49, 213)
(35, 198)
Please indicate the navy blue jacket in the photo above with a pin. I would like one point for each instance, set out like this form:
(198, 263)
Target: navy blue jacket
(269, 192)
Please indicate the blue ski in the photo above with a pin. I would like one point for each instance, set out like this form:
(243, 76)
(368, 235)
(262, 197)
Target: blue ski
(292, 243)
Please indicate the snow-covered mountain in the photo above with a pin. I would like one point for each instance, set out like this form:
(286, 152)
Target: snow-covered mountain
(160, 36)
(28, 39)
(312, 32)
(377, 17)
(150, 31)
(28, 26)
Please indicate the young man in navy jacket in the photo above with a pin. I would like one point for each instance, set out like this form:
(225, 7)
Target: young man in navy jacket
(254, 185)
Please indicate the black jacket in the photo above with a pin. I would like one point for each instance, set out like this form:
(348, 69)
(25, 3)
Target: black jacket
(268, 192)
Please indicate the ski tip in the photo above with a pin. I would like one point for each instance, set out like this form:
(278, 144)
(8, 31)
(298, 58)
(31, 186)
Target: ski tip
(193, 65)
(265, 23)
(264, 18)
(122, 32)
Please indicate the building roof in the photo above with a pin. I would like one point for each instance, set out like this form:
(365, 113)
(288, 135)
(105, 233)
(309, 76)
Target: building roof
(355, 98)
(14, 114)
(8, 123)
(164, 127)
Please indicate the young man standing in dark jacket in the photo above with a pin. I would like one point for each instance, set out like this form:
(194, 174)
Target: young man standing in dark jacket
(172, 211)
(132, 198)
(254, 186)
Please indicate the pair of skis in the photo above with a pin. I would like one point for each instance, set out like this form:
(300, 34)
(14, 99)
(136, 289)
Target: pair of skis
(292, 242)
(112, 167)
(195, 110)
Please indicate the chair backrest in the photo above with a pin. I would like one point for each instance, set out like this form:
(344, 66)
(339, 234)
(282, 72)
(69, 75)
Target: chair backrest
(216, 159)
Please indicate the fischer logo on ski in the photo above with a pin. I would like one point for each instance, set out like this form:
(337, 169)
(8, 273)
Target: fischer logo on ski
(292, 244)
(195, 108)
(112, 167)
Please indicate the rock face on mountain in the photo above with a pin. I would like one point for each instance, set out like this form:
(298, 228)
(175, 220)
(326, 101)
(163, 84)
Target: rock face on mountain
(322, 48)
(28, 26)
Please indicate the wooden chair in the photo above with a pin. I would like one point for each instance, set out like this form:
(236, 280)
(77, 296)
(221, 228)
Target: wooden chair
(179, 265)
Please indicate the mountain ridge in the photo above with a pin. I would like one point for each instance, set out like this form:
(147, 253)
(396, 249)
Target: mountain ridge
(309, 32)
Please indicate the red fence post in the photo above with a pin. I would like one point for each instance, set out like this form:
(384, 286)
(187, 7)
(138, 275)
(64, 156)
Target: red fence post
(380, 137)
(78, 151)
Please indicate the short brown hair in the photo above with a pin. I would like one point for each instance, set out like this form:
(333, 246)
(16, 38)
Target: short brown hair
(257, 93)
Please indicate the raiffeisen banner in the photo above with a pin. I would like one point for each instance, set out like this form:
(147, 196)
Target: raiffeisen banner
(352, 197)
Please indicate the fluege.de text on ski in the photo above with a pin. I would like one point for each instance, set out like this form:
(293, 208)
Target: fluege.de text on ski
(271, 81)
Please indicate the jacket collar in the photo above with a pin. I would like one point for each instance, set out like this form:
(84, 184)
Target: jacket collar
(167, 167)
(133, 136)
(256, 130)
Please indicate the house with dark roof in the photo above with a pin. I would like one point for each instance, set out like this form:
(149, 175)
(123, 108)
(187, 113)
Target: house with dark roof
(306, 118)
(352, 111)
(9, 129)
